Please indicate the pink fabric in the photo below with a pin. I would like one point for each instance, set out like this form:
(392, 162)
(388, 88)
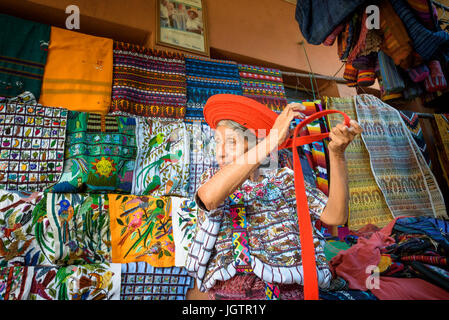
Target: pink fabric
(352, 265)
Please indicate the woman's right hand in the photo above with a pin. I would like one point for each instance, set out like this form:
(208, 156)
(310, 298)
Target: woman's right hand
(281, 128)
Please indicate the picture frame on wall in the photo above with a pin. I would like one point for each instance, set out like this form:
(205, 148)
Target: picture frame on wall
(181, 24)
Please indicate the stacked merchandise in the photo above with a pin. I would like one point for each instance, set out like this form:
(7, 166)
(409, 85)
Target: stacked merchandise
(405, 48)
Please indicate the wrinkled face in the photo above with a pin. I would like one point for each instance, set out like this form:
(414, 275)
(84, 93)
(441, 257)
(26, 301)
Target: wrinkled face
(229, 145)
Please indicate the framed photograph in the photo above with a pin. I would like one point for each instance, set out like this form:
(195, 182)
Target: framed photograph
(181, 24)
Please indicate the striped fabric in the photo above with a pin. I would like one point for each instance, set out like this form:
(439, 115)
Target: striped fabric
(411, 120)
(264, 85)
(442, 121)
(206, 77)
(424, 12)
(406, 181)
(428, 44)
(147, 82)
(23, 54)
(436, 80)
(366, 78)
(391, 79)
(350, 75)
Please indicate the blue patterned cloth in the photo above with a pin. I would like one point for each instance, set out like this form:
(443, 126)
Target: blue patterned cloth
(141, 281)
(207, 77)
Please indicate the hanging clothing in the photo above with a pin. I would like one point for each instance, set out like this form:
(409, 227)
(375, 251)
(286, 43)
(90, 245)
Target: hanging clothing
(391, 79)
(78, 73)
(141, 281)
(23, 55)
(272, 230)
(147, 82)
(32, 146)
(442, 121)
(411, 120)
(163, 158)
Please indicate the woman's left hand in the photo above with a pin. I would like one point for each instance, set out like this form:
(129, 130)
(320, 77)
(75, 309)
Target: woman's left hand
(341, 136)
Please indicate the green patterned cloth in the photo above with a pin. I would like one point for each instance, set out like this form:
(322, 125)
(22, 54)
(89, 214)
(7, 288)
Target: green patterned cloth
(100, 154)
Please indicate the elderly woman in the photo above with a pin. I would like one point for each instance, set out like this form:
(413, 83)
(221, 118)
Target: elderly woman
(270, 246)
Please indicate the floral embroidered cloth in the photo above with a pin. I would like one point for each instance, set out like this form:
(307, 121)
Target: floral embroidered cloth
(163, 158)
(80, 225)
(100, 154)
(15, 283)
(272, 230)
(76, 282)
(141, 230)
(32, 146)
(20, 232)
(141, 281)
(184, 215)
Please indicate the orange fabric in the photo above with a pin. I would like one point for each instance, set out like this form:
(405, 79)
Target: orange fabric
(254, 115)
(141, 230)
(78, 73)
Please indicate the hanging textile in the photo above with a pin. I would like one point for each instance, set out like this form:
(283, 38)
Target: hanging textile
(80, 225)
(411, 120)
(424, 12)
(407, 183)
(147, 82)
(78, 73)
(76, 282)
(391, 79)
(428, 44)
(264, 85)
(141, 230)
(202, 152)
(207, 77)
(163, 158)
(366, 202)
(32, 146)
(184, 216)
(23, 54)
(19, 243)
(442, 121)
(317, 19)
(141, 281)
(100, 154)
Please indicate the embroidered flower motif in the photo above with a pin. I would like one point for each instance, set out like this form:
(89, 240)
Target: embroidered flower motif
(248, 189)
(260, 193)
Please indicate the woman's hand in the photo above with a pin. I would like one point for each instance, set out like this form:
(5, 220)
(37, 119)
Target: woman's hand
(281, 127)
(341, 136)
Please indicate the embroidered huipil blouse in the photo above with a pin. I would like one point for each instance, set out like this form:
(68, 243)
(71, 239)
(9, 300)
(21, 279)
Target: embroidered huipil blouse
(272, 225)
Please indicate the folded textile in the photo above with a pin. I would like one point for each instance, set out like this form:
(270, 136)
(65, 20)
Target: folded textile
(80, 225)
(419, 73)
(141, 230)
(391, 78)
(359, 43)
(78, 73)
(23, 54)
(32, 146)
(347, 38)
(141, 281)
(148, 82)
(163, 158)
(264, 85)
(100, 154)
(347, 295)
(317, 19)
(408, 185)
(430, 45)
(435, 81)
(19, 238)
(435, 275)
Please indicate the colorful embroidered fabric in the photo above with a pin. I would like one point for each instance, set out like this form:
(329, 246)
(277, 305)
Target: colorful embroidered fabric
(80, 224)
(202, 153)
(406, 181)
(32, 146)
(141, 230)
(141, 281)
(366, 202)
(100, 154)
(78, 72)
(19, 239)
(206, 77)
(264, 85)
(272, 230)
(442, 121)
(163, 158)
(15, 283)
(411, 120)
(184, 216)
(23, 55)
(76, 282)
(147, 82)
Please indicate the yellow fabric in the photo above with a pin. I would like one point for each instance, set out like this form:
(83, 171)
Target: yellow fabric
(141, 230)
(366, 201)
(78, 73)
